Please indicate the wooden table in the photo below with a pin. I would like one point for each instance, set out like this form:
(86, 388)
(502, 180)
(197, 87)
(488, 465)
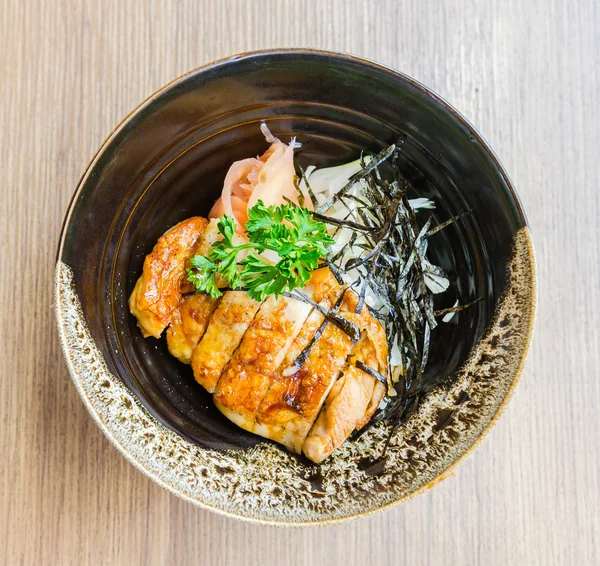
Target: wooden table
(526, 73)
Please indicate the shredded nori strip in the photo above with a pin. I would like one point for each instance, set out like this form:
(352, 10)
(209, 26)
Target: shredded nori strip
(457, 308)
(362, 296)
(310, 192)
(372, 372)
(348, 327)
(303, 356)
(335, 271)
(452, 220)
(365, 171)
(343, 223)
(392, 267)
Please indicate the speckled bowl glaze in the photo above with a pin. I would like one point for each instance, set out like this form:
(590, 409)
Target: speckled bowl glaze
(166, 161)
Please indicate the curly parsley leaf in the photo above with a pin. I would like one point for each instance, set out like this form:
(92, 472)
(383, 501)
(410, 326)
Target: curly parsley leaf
(292, 232)
(202, 276)
(262, 279)
(285, 227)
(226, 227)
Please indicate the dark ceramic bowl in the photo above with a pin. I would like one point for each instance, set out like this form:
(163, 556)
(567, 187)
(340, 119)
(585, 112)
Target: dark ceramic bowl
(166, 162)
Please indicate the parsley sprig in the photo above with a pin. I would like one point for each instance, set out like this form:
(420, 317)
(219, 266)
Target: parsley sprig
(292, 232)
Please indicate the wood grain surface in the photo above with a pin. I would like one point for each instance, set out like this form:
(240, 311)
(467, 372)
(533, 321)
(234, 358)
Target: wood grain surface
(525, 73)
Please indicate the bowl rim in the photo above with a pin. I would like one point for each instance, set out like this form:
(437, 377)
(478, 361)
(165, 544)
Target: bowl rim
(379, 67)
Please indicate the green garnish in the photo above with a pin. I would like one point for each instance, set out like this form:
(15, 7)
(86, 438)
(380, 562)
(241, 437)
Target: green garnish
(202, 276)
(291, 231)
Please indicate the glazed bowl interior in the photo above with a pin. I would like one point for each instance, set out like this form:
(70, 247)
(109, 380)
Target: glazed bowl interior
(169, 161)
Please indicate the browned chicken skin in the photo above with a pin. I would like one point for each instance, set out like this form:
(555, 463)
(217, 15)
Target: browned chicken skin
(279, 404)
(352, 400)
(247, 376)
(306, 387)
(269, 346)
(158, 291)
(188, 324)
(226, 328)
(245, 352)
(191, 318)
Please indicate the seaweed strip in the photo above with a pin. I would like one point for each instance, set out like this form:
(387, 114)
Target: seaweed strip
(343, 324)
(373, 163)
(447, 223)
(391, 266)
(457, 308)
(303, 356)
(342, 223)
(372, 372)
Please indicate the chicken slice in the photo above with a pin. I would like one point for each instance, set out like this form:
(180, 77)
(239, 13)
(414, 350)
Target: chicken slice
(225, 330)
(188, 324)
(354, 397)
(275, 409)
(157, 292)
(346, 404)
(209, 236)
(290, 408)
(190, 319)
(288, 418)
(248, 375)
(265, 371)
(277, 406)
(379, 390)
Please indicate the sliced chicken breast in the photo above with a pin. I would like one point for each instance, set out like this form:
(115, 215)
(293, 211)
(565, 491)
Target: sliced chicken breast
(245, 352)
(355, 396)
(290, 408)
(188, 324)
(281, 413)
(209, 236)
(275, 409)
(289, 418)
(274, 337)
(378, 394)
(157, 292)
(225, 330)
(190, 319)
(264, 346)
